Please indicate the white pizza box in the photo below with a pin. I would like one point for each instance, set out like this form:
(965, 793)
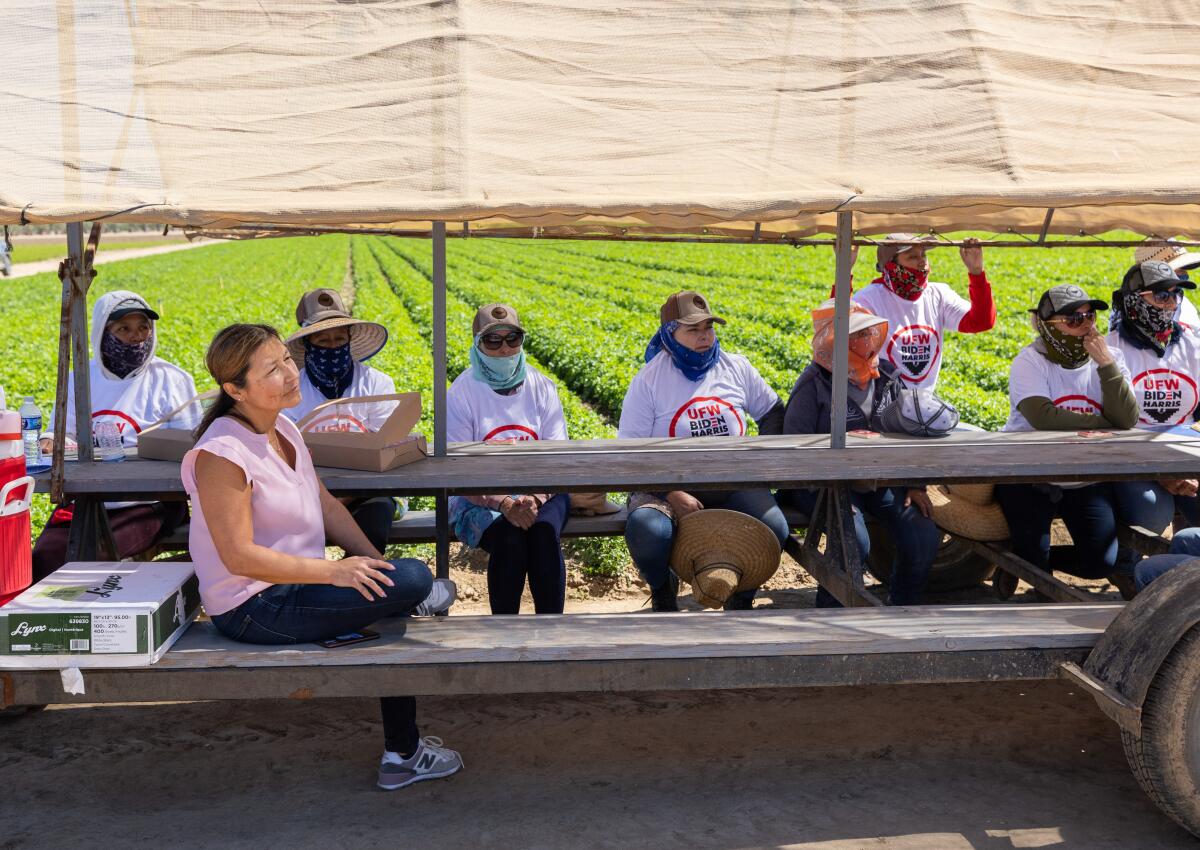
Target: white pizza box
(99, 614)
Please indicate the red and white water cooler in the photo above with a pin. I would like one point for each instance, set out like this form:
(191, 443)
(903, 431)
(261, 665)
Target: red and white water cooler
(16, 491)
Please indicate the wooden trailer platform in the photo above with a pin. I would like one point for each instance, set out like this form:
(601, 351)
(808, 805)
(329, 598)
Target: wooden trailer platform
(609, 653)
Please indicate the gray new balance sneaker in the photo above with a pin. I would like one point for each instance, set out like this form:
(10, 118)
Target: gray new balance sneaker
(440, 598)
(430, 761)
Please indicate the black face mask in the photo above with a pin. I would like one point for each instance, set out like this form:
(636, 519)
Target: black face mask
(121, 358)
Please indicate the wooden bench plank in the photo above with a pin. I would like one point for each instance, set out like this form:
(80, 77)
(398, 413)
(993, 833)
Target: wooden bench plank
(612, 652)
(713, 463)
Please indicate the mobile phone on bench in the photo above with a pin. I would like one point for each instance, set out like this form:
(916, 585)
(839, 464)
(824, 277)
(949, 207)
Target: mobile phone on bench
(349, 638)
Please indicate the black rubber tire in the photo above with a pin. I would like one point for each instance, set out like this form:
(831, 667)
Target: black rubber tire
(1166, 758)
(955, 567)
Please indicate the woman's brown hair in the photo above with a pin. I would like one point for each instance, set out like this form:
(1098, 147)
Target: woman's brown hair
(228, 360)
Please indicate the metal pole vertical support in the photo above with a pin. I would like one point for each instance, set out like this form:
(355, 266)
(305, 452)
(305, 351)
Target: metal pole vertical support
(841, 329)
(80, 344)
(439, 390)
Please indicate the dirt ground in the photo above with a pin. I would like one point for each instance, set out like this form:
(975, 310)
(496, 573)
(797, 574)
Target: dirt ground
(978, 767)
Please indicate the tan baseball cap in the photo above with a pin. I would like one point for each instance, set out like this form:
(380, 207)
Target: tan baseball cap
(687, 308)
(491, 316)
(1175, 256)
(897, 243)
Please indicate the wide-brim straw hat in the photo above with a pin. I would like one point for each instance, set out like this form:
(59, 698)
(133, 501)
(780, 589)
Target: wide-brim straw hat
(720, 552)
(366, 338)
(969, 511)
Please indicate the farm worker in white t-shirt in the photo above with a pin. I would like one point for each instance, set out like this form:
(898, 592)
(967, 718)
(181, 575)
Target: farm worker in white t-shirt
(330, 348)
(132, 389)
(1180, 260)
(920, 312)
(690, 387)
(1164, 368)
(502, 399)
(1068, 379)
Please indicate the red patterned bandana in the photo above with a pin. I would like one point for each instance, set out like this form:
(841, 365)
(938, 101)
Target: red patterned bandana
(906, 283)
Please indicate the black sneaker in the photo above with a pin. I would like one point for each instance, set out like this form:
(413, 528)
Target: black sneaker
(740, 602)
(665, 596)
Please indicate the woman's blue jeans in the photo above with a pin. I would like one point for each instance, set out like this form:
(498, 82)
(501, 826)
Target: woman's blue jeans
(650, 533)
(1185, 546)
(303, 613)
(915, 535)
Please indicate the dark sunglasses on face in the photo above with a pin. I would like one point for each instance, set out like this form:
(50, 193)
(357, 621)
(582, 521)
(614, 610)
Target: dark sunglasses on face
(1077, 320)
(494, 342)
(1165, 296)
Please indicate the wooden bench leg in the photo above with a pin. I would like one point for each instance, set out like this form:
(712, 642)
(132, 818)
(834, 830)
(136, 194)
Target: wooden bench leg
(1041, 581)
(839, 567)
(90, 537)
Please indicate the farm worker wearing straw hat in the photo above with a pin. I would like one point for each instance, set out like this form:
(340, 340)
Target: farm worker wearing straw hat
(903, 511)
(920, 312)
(132, 388)
(1181, 260)
(260, 520)
(1068, 379)
(330, 348)
(502, 399)
(1164, 367)
(691, 387)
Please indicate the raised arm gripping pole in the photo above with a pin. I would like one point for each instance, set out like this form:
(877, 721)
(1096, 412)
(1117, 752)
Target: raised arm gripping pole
(841, 329)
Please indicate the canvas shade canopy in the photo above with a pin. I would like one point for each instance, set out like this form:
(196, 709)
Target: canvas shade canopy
(649, 116)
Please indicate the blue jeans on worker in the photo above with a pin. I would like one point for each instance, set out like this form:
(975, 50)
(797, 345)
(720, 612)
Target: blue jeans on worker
(1089, 514)
(1149, 505)
(536, 552)
(915, 536)
(1185, 546)
(650, 534)
(303, 613)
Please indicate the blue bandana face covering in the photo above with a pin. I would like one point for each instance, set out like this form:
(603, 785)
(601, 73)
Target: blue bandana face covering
(120, 358)
(330, 369)
(693, 364)
(499, 373)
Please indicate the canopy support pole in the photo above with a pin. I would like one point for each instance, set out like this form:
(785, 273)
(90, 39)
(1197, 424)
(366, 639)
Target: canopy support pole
(79, 269)
(1046, 226)
(841, 328)
(442, 507)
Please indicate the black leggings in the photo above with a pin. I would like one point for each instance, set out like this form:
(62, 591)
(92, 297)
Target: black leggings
(536, 552)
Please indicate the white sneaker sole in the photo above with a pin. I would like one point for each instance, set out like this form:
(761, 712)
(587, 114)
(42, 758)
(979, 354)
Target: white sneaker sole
(421, 777)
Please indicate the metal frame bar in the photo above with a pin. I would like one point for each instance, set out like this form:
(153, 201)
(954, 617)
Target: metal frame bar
(442, 501)
(841, 329)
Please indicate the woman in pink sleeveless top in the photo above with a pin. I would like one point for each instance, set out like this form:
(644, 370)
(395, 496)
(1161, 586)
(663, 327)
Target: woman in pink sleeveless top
(260, 518)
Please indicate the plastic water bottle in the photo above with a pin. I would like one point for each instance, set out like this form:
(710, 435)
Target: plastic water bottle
(31, 432)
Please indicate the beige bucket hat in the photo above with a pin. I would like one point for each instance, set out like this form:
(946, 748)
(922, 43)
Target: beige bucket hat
(322, 310)
(720, 552)
(969, 511)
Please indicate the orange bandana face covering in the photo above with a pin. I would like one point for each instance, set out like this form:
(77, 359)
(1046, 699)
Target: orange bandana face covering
(864, 346)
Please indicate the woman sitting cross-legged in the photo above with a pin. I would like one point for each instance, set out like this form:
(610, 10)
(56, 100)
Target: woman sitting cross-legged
(502, 399)
(903, 511)
(260, 517)
(1068, 379)
(690, 387)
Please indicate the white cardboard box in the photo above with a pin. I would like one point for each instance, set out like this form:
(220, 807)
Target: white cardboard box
(99, 614)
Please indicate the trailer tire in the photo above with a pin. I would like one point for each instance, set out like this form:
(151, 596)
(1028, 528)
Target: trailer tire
(1165, 758)
(955, 566)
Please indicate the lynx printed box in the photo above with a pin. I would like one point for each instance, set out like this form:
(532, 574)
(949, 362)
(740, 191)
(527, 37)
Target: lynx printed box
(99, 614)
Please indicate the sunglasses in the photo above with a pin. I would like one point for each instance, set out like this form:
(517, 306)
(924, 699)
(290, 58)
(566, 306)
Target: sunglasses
(1163, 296)
(494, 342)
(1076, 320)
